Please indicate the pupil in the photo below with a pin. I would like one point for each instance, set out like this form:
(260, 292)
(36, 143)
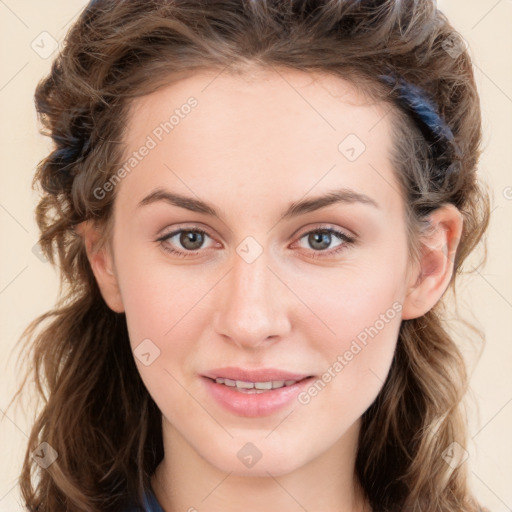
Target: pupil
(320, 237)
(189, 238)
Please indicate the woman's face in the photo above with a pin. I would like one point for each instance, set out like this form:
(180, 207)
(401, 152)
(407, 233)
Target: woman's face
(255, 284)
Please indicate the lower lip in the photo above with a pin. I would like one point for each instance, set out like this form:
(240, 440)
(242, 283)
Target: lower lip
(255, 404)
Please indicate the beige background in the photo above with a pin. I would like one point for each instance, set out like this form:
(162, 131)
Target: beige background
(28, 286)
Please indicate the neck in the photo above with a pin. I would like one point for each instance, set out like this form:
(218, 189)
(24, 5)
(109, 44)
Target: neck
(185, 481)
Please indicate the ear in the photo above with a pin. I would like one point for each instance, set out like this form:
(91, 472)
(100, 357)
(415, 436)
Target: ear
(101, 261)
(432, 274)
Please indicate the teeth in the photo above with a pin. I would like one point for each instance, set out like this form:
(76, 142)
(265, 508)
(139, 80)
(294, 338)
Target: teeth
(263, 385)
(244, 385)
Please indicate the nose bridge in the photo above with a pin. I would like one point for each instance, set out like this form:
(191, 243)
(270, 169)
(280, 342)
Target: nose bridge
(253, 306)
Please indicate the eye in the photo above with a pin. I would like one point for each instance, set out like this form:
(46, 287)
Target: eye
(190, 239)
(320, 239)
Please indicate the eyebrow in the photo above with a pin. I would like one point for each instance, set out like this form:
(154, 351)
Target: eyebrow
(295, 209)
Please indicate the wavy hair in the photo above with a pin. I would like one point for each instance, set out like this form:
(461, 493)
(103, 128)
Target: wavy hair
(94, 408)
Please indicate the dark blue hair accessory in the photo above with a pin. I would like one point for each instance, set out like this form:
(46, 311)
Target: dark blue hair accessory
(424, 111)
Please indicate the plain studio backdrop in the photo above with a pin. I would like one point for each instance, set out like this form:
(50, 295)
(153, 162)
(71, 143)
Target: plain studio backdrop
(31, 32)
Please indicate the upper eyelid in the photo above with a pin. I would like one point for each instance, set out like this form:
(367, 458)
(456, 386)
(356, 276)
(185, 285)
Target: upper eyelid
(325, 227)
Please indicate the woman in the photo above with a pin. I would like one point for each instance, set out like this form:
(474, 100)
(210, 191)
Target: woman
(256, 208)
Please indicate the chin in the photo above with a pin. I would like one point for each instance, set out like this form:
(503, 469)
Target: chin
(266, 459)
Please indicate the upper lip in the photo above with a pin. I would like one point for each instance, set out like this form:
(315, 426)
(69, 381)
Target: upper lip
(259, 375)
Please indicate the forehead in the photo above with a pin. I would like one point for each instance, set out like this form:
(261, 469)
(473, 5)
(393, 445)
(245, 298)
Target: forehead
(282, 129)
(263, 97)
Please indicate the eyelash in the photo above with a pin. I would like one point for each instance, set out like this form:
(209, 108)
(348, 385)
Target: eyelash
(347, 241)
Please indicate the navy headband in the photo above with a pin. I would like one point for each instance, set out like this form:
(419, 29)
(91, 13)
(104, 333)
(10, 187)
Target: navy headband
(416, 100)
(417, 103)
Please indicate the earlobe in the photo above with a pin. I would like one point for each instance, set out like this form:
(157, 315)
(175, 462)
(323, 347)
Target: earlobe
(436, 266)
(101, 261)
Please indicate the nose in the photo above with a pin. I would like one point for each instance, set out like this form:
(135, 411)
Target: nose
(252, 304)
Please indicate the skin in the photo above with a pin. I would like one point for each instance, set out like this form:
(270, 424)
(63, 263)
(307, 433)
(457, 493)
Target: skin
(254, 144)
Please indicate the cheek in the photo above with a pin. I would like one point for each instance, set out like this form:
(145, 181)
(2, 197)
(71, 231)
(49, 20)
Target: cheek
(360, 308)
(160, 304)
(154, 295)
(350, 301)
(357, 359)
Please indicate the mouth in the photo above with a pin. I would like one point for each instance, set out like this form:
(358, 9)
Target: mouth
(253, 393)
(250, 387)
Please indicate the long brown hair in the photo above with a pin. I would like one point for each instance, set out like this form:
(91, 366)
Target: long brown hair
(96, 413)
